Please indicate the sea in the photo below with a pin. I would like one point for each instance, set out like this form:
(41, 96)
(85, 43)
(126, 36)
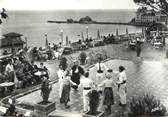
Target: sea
(33, 25)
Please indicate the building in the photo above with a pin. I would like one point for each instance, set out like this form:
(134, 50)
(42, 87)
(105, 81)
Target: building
(11, 42)
(150, 16)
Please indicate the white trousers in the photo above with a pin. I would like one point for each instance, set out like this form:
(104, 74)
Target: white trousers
(60, 88)
(99, 77)
(86, 100)
(122, 93)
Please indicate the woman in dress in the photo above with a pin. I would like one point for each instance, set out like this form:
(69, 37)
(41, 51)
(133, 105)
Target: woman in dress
(65, 95)
(108, 84)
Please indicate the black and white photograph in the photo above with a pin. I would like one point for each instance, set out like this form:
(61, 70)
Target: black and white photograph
(83, 58)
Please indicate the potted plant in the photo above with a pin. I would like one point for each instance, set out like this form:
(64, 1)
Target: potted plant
(82, 58)
(94, 100)
(43, 108)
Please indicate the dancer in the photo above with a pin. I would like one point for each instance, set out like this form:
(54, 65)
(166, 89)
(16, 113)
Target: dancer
(65, 96)
(61, 75)
(108, 98)
(101, 69)
(122, 85)
(76, 71)
(87, 85)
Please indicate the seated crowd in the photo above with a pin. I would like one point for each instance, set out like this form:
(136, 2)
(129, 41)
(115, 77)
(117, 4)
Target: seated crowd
(21, 72)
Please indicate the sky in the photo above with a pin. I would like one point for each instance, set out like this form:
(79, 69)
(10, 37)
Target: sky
(66, 4)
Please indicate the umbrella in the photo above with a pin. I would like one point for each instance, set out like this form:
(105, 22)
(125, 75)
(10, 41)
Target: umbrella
(82, 37)
(46, 43)
(126, 31)
(98, 34)
(67, 41)
(116, 32)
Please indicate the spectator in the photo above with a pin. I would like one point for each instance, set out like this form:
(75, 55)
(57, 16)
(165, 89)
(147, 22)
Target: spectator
(10, 71)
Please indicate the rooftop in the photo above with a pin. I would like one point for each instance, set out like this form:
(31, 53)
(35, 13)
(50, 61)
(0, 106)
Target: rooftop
(5, 42)
(12, 34)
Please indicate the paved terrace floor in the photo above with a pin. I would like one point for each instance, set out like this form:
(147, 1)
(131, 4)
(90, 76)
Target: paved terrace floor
(148, 76)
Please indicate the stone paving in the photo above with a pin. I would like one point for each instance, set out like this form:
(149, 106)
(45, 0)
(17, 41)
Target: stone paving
(148, 76)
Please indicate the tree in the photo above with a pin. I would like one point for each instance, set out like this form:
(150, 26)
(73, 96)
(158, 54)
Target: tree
(3, 15)
(158, 5)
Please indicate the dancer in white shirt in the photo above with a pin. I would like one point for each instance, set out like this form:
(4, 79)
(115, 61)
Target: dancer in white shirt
(87, 84)
(61, 75)
(122, 85)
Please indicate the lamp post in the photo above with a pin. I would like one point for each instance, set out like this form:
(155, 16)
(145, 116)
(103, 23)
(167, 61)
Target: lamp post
(61, 36)
(87, 32)
(46, 41)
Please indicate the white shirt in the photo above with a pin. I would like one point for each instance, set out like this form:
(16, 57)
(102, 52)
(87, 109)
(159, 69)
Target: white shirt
(9, 68)
(102, 65)
(122, 77)
(86, 82)
(61, 74)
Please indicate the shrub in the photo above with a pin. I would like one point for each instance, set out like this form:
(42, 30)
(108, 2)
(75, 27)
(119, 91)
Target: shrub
(82, 58)
(146, 105)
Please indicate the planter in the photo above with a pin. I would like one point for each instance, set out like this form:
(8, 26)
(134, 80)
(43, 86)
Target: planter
(42, 110)
(99, 114)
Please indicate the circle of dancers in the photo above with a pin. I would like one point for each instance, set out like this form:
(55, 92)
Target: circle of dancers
(104, 82)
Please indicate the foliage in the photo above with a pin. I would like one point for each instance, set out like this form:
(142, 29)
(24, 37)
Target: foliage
(94, 99)
(63, 62)
(93, 56)
(86, 19)
(159, 5)
(3, 15)
(82, 58)
(70, 20)
(146, 105)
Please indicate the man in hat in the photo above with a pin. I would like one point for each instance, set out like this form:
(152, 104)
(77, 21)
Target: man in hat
(76, 72)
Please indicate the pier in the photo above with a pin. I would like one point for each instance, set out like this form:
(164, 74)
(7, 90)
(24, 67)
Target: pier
(94, 22)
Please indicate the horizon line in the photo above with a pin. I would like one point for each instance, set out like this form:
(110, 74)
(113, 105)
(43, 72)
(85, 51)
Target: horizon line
(68, 9)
